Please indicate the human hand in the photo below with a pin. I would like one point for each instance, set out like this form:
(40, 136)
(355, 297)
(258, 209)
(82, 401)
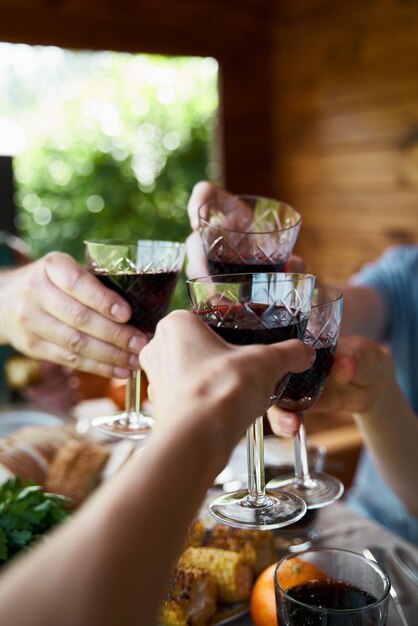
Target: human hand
(361, 370)
(196, 375)
(53, 309)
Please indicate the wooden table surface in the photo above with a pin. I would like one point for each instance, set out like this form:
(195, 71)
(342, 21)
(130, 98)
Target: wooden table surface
(339, 527)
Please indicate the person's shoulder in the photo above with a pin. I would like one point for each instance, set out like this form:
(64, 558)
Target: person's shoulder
(403, 255)
(395, 261)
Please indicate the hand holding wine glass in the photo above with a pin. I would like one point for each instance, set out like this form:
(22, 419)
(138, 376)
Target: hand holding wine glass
(53, 309)
(236, 381)
(255, 309)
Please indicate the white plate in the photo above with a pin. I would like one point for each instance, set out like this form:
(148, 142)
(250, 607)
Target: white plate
(12, 420)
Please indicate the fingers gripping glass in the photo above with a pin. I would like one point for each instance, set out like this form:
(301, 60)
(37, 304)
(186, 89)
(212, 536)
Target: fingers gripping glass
(255, 309)
(302, 390)
(145, 274)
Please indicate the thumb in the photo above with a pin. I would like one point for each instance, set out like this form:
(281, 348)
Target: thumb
(290, 356)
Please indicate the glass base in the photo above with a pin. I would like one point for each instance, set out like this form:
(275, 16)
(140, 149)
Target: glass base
(125, 426)
(318, 490)
(238, 510)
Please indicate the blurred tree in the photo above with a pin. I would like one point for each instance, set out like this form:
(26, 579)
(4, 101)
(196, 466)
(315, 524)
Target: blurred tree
(115, 143)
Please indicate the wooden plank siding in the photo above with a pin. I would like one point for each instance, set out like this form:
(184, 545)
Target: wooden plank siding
(346, 96)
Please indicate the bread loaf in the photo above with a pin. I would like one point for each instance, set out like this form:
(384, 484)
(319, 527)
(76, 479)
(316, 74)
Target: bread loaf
(76, 469)
(55, 458)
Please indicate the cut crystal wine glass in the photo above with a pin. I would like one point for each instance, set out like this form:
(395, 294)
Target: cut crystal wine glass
(317, 488)
(145, 273)
(247, 233)
(246, 309)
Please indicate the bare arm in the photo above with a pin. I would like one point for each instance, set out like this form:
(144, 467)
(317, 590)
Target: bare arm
(54, 310)
(364, 312)
(111, 563)
(363, 382)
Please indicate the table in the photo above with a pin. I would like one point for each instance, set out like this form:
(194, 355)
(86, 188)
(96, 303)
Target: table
(339, 527)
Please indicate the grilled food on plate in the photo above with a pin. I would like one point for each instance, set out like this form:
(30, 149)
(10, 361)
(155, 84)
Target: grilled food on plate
(190, 599)
(228, 557)
(256, 547)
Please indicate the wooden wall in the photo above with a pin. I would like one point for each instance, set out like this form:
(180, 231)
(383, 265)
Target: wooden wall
(319, 101)
(346, 126)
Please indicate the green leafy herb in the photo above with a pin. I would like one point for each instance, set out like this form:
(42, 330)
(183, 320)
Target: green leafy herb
(26, 513)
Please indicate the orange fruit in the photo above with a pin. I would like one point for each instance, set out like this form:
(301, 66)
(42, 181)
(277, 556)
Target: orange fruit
(296, 571)
(262, 599)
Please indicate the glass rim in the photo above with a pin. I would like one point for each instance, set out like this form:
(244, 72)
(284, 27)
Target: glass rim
(285, 277)
(337, 295)
(134, 242)
(204, 221)
(375, 566)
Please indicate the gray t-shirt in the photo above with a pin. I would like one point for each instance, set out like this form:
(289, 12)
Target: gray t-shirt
(395, 276)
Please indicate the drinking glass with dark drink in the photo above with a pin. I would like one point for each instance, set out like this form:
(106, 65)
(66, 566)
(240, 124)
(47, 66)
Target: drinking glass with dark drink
(247, 234)
(247, 309)
(145, 273)
(335, 588)
(302, 390)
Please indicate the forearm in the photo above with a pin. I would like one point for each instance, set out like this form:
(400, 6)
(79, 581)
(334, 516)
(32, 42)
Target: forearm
(390, 431)
(364, 312)
(114, 558)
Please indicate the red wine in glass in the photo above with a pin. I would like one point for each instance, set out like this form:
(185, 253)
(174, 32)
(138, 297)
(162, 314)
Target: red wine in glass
(149, 295)
(254, 323)
(243, 326)
(303, 389)
(345, 589)
(254, 264)
(333, 595)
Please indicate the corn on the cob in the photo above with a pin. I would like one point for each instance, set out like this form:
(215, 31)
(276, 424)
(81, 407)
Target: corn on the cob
(232, 573)
(190, 599)
(196, 534)
(256, 546)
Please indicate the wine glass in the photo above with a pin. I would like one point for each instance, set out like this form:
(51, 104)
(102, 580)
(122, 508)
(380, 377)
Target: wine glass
(302, 390)
(145, 273)
(246, 309)
(338, 588)
(247, 233)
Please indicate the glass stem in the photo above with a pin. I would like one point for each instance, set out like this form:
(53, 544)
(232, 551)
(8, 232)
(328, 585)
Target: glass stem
(133, 397)
(301, 454)
(255, 464)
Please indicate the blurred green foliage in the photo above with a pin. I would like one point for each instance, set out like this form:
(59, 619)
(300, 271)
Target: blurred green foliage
(115, 143)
